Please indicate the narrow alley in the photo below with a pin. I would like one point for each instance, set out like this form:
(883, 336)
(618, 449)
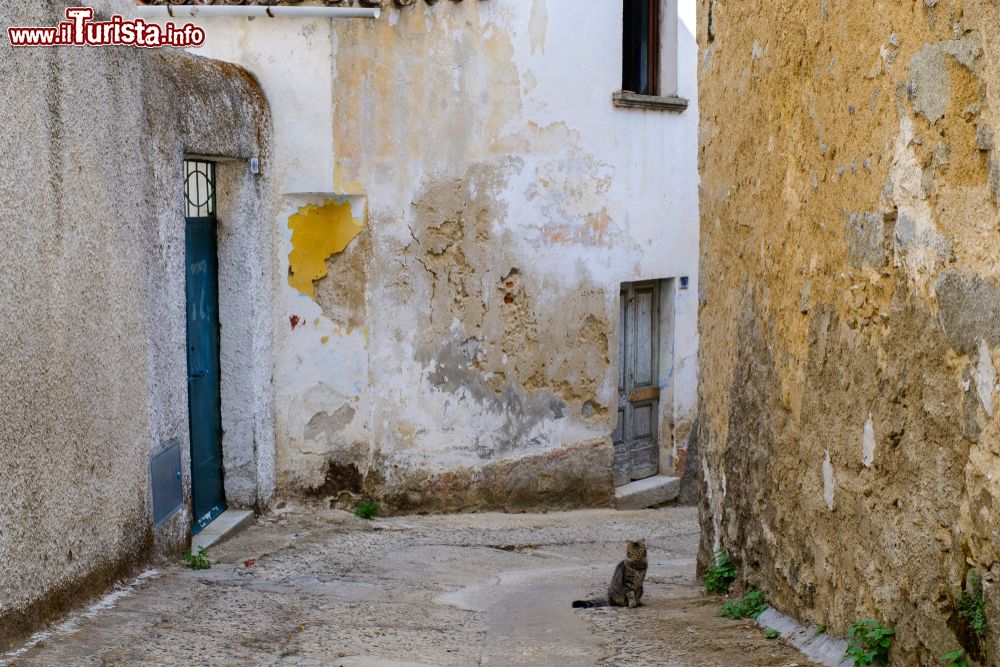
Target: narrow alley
(310, 587)
(532, 280)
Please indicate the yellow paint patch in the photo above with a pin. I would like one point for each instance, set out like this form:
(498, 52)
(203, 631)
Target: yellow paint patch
(317, 233)
(324, 340)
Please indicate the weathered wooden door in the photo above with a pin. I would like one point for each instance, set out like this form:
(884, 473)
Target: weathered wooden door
(636, 450)
(208, 498)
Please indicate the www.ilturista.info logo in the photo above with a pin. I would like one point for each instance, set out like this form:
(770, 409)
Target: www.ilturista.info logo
(79, 30)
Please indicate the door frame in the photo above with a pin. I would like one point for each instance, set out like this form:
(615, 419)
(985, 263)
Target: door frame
(665, 303)
(200, 126)
(630, 396)
(200, 184)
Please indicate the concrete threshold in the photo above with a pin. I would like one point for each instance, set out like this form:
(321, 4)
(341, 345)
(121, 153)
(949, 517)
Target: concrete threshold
(817, 646)
(647, 492)
(225, 526)
(363, 661)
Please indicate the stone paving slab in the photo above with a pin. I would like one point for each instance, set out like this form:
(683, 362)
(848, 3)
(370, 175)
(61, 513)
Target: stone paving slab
(647, 492)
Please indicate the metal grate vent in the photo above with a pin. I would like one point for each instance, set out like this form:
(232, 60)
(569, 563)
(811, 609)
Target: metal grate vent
(199, 188)
(168, 492)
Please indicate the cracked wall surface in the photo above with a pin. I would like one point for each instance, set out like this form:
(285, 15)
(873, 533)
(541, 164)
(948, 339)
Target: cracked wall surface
(466, 338)
(849, 310)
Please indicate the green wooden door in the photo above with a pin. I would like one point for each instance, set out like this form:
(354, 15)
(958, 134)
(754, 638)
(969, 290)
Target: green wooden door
(204, 404)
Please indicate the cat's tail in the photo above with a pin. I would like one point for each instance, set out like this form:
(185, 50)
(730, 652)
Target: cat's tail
(590, 604)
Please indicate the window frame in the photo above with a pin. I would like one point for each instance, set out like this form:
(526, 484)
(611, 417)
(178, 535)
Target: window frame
(635, 62)
(661, 60)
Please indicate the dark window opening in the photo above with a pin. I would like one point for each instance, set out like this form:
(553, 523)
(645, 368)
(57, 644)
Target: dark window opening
(641, 47)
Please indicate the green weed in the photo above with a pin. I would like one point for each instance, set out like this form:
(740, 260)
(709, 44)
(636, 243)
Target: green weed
(955, 658)
(820, 630)
(198, 561)
(721, 574)
(771, 633)
(368, 510)
(972, 608)
(869, 643)
(751, 605)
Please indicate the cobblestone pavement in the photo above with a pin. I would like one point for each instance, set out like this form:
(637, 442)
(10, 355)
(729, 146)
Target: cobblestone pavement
(308, 587)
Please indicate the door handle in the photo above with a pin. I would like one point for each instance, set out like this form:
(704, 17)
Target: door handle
(199, 374)
(643, 394)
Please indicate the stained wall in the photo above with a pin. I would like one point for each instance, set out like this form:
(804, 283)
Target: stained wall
(459, 204)
(849, 310)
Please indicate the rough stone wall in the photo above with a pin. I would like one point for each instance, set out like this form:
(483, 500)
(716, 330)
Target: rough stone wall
(93, 366)
(850, 310)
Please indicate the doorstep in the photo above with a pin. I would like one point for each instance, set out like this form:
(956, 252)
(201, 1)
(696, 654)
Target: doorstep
(223, 527)
(647, 492)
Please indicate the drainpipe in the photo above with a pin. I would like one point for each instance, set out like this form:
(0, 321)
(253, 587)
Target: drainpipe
(191, 11)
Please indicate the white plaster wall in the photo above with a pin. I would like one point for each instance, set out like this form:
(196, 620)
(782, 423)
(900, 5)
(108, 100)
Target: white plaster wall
(321, 365)
(246, 279)
(652, 155)
(567, 59)
(292, 62)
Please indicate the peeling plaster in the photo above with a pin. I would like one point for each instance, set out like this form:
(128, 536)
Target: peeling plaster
(828, 482)
(916, 233)
(930, 76)
(868, 443)
(317, 233)
(486, 159)
(986, 377)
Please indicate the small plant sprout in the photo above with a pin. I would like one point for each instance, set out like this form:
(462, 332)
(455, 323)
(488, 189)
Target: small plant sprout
(869, 643)
(198, 561)
(972, 604)
(368, 510)
(820, 630)
(771, 633)
(972, 609)
(721, 574)
(955, 659)
(751, 605)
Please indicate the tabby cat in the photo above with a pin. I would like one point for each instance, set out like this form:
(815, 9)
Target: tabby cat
(626, 586)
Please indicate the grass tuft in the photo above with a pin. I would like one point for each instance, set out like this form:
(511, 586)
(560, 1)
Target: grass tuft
(368, 510)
